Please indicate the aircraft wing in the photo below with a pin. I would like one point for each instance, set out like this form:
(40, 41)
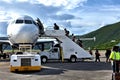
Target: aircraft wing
(3, 33)
(47, 40)
(5, 40)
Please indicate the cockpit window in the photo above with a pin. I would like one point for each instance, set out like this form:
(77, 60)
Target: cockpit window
(34, 23)
(19, 21)
(28, 22)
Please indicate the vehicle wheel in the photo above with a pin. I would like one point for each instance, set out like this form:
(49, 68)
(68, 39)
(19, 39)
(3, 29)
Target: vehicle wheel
(44, 59)
(73, 59)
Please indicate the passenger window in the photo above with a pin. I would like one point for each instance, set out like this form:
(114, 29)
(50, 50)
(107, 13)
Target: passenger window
(19, 21)
(28, 22)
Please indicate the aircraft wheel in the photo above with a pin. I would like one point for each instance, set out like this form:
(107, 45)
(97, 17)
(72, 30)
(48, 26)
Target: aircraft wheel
(44, 59)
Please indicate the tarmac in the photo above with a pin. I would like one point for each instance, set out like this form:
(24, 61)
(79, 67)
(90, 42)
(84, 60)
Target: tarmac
(56, 70)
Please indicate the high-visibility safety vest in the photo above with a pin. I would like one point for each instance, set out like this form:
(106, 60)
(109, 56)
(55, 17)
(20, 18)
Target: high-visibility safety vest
(115, 55)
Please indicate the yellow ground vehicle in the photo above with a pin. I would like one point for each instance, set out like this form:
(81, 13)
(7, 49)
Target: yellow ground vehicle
(25, 61)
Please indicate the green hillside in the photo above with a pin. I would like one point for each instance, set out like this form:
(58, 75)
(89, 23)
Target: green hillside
(104, 37)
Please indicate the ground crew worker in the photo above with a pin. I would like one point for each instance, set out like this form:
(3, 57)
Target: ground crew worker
(115, 57)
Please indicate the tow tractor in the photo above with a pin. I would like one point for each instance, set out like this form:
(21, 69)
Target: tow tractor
(25, 59)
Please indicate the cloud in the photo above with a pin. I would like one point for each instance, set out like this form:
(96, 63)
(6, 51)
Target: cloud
(79, 16)
(36, 10)
(7, 1)
(7, 15)
(68, 4)
(80, 30)
(63, 17)
(111, 8)
(4, 16)
(66, 24)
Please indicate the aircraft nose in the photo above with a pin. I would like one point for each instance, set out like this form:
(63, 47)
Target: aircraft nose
(28, 34)
(24, 34)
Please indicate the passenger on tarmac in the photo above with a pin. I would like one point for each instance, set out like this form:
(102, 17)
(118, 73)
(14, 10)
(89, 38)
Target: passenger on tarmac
(107, 55)
(115, 58)
(97, 56)
(4, 55)
(90, 51)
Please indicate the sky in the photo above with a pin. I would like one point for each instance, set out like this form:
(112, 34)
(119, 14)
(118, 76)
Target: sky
(78, 16)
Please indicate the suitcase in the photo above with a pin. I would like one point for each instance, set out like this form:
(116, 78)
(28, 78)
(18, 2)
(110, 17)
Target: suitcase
(115, 76)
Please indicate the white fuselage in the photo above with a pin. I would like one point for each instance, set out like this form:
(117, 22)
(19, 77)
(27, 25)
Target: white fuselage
(23, 30)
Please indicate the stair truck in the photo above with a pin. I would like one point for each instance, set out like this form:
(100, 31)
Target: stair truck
(66, 49)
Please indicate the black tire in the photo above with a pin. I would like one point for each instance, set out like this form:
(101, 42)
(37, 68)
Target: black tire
(44, 59)
(73, 59)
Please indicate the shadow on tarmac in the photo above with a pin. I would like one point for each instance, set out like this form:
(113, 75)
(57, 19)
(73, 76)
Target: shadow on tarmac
(54, 68)
(85, 66)
(58, 67)
(43, 71)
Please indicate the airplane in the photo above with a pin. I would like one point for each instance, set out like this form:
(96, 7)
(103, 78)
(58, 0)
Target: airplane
(21, 30)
